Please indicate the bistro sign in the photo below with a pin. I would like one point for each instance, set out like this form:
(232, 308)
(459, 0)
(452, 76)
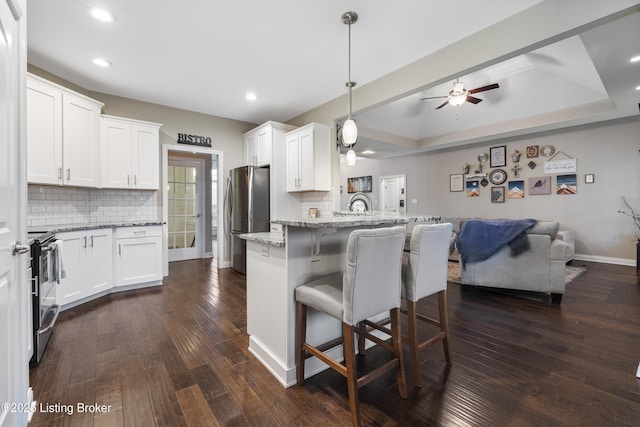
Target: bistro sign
(201, 141)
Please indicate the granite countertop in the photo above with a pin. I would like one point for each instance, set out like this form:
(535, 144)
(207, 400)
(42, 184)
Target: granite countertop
(344, 220)
(92, 226)
(266, 238)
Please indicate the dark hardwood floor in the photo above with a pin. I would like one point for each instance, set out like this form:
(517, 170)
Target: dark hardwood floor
(177, 356)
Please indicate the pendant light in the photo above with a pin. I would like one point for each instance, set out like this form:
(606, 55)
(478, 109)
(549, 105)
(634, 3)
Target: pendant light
(349, 128)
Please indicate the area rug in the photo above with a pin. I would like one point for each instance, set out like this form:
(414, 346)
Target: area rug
(571, 273)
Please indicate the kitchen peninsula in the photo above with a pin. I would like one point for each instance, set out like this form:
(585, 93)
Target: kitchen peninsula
(278, 262)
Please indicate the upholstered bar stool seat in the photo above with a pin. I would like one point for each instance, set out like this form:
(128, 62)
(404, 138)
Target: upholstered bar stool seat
(370, 285)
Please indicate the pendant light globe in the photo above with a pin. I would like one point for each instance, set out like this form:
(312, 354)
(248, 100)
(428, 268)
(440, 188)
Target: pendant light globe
(349, 133)
(351, 157)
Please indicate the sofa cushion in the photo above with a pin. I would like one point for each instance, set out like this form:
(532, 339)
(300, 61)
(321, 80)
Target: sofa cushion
(550, 228)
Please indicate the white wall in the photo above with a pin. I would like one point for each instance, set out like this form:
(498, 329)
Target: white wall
(609, 150)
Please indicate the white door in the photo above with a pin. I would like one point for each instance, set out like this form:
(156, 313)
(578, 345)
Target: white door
(392, 194)
(185, 182)
(14, 373)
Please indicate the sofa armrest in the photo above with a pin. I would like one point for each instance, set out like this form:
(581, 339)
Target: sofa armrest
(561, 251)
(568, 237)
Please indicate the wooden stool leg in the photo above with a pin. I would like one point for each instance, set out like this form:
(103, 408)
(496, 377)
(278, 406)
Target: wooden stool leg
(444, 324)
(396, 338)
(352, 378)
(301, 336)
(362, 330)
(412, 321)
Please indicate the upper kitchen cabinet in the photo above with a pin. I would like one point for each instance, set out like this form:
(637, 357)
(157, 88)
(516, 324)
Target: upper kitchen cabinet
(259, 143)
(129, 153)
(272, 135)
(62, 135)
(308, 154)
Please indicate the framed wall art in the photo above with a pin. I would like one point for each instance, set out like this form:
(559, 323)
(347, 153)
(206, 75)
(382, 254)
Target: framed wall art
(516, 190)
(361, 183)
(456, 182)
(497, 194)
(473, 189)
(532, 151)
(498, 156)
(589, 178)
(566, 184)
(539, 185)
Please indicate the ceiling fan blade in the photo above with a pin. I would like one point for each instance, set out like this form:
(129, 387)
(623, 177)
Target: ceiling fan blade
(473, 99)
(434, 97)
(442, 105)
(483, 88)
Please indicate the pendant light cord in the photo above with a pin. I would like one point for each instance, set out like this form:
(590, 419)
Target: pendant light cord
(349, 83)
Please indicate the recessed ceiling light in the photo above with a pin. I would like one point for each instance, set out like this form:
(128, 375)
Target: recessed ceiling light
(368, 152)
(635, 58)
(251, 96)
(102, 15)
(101, 62)
(638, 88)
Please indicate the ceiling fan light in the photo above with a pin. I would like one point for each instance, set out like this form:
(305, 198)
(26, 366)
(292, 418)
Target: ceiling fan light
(349, 132)
(457, 100)
(351, 157)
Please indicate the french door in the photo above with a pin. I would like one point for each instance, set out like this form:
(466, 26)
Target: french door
(184, 199)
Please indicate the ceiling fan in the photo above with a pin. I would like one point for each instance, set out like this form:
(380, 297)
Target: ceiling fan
(459, 94)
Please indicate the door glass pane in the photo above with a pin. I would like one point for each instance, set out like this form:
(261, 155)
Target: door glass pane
(190, 191)
(171, 173)
(190, 224)
(191, 240)
(191, 207)
(190, 174)
(170, 241)
(179, 223)
(179, 174)
(179, 191)
(179, 243)
(179, 207)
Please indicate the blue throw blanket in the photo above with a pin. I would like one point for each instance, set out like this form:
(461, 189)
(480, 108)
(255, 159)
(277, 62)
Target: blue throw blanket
(479, 239)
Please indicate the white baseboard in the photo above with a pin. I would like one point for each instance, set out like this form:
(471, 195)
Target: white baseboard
(606, 260)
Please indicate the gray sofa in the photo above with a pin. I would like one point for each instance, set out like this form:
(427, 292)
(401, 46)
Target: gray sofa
(540, 269)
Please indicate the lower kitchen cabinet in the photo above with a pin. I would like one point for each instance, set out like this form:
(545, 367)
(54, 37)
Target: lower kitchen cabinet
(138, 256)
(88, 262)
(102, 260)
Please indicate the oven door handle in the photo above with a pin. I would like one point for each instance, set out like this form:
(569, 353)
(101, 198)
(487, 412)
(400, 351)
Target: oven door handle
(46, 329)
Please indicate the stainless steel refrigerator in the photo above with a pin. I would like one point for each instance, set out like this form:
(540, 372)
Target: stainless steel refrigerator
(247, 206)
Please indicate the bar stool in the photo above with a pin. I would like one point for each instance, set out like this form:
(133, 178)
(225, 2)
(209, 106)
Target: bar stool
(423, 276)
(370, 285)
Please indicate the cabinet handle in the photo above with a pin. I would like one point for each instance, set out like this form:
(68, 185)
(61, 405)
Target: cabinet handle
(119, 249)
(84, 242)
(91, 240)
(60, 172)
(68, 174)
(135, 179)
(128, 180)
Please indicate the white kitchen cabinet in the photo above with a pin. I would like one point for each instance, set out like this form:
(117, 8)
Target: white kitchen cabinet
(129, 153)
(62, 135)
(138, 255)
(271, 136)
(259, 143)
(308, 158)
(258, 148)
(88, 262)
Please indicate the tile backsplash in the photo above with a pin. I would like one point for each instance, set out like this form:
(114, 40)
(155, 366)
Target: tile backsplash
(51, 206)
(323, 200)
